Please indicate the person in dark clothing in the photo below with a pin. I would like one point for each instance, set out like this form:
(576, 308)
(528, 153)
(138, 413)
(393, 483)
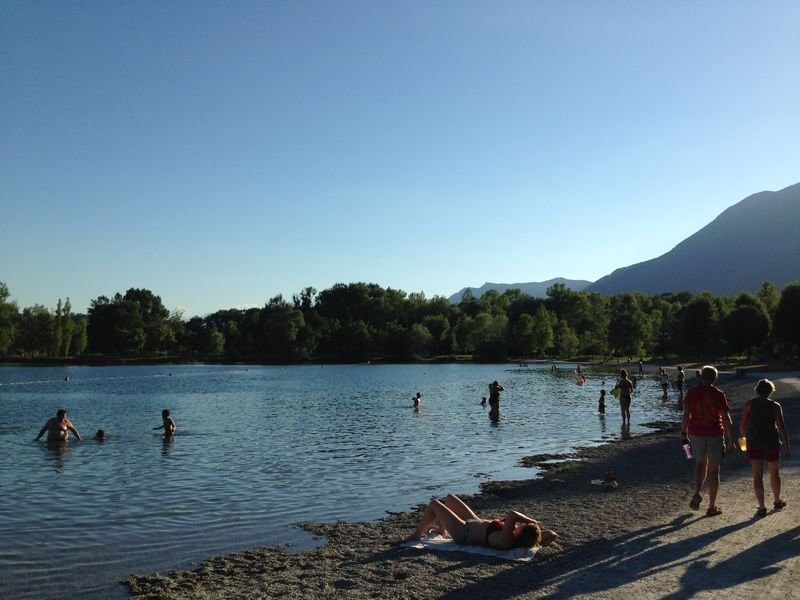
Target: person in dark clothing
(765, 432)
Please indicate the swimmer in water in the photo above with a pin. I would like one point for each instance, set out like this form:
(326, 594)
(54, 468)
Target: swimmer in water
(168, 425)
(58, 428)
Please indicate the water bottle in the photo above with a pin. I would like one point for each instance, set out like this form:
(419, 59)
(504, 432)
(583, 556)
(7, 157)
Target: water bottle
(687, 449)
(743, 444)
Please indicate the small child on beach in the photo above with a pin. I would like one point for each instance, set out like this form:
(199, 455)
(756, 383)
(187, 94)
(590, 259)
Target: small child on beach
(601, 405)
(168, 425)
(763, 427)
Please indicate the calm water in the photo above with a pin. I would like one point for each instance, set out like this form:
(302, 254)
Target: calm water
(258, 449)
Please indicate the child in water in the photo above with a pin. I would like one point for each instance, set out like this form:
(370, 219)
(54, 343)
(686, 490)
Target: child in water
(168, 425)
(601, 405)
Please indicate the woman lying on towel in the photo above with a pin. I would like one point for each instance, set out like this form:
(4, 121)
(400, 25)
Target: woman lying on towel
(465, 527)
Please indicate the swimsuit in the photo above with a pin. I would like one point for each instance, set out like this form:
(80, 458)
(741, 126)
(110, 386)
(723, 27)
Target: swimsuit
(496, 525)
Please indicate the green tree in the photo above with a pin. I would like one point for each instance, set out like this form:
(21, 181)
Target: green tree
(567, 342)
(79, 340)
(524, 335)
(152, 316)
(542, 331)
(628, 329)
(439, 328)
(747, 325)
(216, 342)
(420, 340)
(769, 296)
(36, 333)
(9, 314)
(787, 315)
(701, 325)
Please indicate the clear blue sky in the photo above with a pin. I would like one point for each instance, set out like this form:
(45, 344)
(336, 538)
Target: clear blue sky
(221, 153)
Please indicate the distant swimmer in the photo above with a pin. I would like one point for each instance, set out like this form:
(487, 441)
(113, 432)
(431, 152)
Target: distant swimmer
(168, 425)
(601, 404)
(58, 428)
(494, 399)
(483, 401)
(100, 436)
(417, 400)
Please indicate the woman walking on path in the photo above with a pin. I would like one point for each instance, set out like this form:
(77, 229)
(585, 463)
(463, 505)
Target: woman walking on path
(763, 427)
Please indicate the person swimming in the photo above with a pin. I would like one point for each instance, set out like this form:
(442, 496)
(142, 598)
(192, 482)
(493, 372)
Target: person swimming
(58, 428)
(168, 425)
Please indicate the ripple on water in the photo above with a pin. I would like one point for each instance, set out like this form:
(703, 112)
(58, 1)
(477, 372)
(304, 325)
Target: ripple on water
(257, 450)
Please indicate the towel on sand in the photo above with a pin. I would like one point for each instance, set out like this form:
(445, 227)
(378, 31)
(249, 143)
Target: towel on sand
(436, 541)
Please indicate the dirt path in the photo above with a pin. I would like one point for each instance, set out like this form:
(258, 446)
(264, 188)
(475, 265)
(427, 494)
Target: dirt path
(693, 556)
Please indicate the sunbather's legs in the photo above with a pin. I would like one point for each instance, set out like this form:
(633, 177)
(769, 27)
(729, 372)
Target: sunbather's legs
(449, 522)
(459, 507)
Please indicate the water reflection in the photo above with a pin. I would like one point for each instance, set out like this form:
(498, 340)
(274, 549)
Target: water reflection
(57, 453)
(335, 441)
(625, 432)
(166, 444)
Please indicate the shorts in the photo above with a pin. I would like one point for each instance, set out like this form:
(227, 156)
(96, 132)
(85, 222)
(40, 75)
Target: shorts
(710, 447)
(770, 455)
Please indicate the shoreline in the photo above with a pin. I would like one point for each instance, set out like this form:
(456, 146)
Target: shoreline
(364, 560)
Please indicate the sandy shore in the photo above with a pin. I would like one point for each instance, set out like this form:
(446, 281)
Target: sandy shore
(640, 538)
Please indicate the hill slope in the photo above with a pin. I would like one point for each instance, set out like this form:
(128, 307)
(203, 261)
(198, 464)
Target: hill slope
(755, 240)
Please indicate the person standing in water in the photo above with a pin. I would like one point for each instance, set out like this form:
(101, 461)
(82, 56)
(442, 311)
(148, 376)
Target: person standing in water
(680, 382)
(601, 404)
(168, 425)
(763, 427)
(625, 386)
(417, 401)
(494, 399)
(58, 428)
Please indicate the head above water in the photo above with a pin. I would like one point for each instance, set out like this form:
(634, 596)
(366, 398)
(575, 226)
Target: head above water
(165, 412)
(100, 435)
(765, 388)
(61, 413)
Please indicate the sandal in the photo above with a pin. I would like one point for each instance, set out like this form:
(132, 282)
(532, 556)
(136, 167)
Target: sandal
(779, 504)
(761, 512)
(713, 511)
(695, 503)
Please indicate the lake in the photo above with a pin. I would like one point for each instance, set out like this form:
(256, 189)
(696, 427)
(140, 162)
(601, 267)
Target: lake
(258, 448)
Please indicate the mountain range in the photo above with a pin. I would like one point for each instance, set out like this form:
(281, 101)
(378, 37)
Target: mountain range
(755, 240)
(535, 289)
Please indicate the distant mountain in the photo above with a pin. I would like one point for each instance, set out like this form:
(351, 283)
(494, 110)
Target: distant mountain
(755, 240)
(536, 289)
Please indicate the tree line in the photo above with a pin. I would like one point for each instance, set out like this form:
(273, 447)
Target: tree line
(359, 321)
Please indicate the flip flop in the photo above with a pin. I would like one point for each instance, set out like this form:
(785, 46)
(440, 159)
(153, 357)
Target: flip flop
(713, 511)
(695, 503)
(761, 512)
(780, 504)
